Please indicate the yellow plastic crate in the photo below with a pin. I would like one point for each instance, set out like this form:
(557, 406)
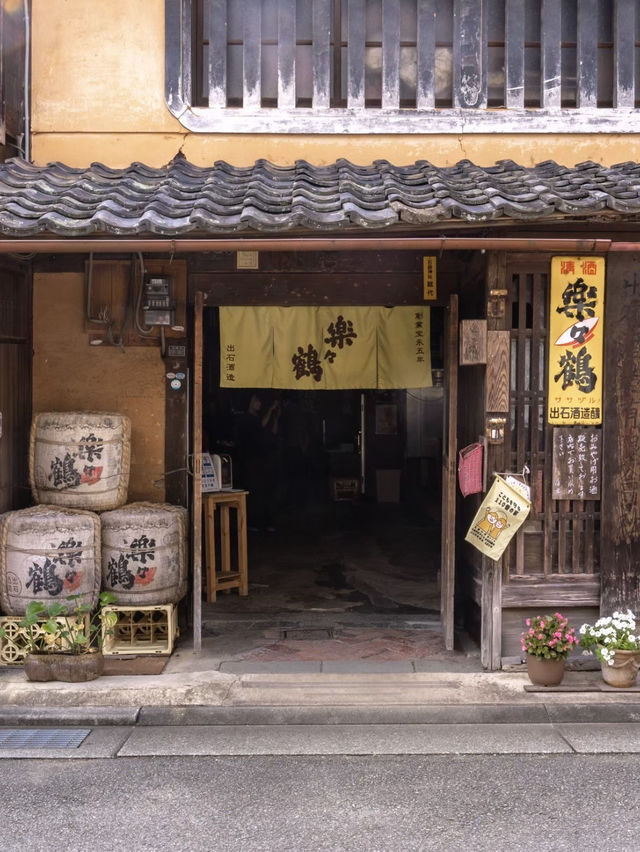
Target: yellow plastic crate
(13, 646)
(141, 630)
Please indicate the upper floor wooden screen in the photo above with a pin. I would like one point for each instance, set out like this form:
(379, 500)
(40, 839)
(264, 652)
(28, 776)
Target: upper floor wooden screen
(410, 66)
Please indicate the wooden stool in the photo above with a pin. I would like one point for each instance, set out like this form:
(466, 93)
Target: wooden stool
(225, 578)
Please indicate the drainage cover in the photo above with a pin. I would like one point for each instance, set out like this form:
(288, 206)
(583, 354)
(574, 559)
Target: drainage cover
(307, 633)
(42, 737)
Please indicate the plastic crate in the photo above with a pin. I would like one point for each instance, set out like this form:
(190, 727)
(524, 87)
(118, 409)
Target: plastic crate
(13, 646)
(141, 630)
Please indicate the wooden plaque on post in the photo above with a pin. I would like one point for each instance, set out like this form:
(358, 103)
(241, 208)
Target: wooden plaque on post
(473, 342)
(498, 352)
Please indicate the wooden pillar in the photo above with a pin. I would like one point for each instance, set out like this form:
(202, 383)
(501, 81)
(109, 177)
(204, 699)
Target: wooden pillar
(620, 537)
(450, 433)
(196, 500)
(491, 609)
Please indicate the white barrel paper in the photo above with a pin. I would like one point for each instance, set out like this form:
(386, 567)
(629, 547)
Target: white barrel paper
(144, 554)
(47, 554)
(80, 459)
(500, 515)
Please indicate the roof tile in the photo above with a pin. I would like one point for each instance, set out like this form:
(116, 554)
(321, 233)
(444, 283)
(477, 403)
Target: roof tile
(184, 198)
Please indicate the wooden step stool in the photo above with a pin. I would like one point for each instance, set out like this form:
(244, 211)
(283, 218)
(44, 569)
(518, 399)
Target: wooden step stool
(225, 579)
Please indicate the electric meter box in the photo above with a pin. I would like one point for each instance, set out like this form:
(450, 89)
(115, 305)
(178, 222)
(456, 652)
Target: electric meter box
(158, 307)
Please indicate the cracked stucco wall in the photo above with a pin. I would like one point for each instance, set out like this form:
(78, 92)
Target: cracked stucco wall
(98, 95)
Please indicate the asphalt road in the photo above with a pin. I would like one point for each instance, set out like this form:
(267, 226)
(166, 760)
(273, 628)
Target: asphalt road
(377, 803)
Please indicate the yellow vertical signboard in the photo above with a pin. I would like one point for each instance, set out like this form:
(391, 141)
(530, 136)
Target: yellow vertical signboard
(429, 277)
(576, 330)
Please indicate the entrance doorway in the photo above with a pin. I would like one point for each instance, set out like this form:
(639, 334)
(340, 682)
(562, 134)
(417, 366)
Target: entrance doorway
(344, 512)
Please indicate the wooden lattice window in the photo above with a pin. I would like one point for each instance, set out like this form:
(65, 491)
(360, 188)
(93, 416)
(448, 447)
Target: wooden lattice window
(560, 536)
(406, 66)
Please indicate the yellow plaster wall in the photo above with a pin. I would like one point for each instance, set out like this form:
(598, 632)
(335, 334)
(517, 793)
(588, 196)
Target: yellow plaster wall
(98, 95)
(70, 375)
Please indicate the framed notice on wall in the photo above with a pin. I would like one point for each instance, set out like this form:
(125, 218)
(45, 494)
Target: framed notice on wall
(576, 327)
(577, 463)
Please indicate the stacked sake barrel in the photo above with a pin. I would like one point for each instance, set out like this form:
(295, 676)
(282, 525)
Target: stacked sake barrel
(47, 554)
(144, 554)
(80, 459)
(79, 467)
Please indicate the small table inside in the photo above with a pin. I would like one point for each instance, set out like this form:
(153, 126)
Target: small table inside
(225, 578)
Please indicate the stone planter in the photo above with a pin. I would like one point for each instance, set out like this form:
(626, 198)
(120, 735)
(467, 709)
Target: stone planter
(72, 668)
(545, 672)
(623, 671)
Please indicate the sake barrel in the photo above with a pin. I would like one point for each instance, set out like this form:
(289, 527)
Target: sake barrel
(46, 554)
(80, 459)
(144, 553)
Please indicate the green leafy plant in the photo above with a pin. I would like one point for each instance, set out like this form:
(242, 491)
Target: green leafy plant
(548, 636)
(617, 632)
(66, 629)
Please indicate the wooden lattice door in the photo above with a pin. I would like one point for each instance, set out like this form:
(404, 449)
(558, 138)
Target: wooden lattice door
(561, 537)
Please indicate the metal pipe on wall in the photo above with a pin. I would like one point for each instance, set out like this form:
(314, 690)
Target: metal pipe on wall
(78, 245)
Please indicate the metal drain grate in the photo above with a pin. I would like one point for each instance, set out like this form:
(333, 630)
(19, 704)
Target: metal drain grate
(307, 633)
(42, 737)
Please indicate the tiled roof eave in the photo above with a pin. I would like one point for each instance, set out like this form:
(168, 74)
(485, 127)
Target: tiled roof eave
(182, 199)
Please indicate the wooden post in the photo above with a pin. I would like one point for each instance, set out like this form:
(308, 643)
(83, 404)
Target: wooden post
(620, 542)
(491, 614)
(450, 436)
(196, 502)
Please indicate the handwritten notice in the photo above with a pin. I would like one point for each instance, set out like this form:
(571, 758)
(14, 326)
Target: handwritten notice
(577, 463)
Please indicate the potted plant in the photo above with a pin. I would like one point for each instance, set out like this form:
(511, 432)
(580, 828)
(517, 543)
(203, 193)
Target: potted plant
(64, 641)
(547, 642)
(615, 641)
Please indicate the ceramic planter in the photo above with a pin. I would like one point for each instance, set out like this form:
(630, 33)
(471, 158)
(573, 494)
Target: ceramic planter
(545, 672)
(72, 668)
(622, 672)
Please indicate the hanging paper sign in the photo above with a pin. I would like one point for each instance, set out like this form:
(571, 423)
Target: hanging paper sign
(429, 276)
(246, 348)
(500, 515)
(404, 348)
(576, 327)
(325, 348)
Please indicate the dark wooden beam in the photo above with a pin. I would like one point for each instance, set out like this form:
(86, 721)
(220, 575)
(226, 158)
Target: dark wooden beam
(217, 65)
(624, 54)
(425, 79)
(469, 50)
(550, 54)
(514, 59)
(356, 55)
(287, 54)
(321, 54)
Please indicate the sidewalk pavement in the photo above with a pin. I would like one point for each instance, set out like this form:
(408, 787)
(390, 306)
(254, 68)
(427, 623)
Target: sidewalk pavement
(191, 691)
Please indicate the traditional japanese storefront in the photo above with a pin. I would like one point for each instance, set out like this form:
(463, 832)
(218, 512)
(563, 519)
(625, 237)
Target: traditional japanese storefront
(574, 551)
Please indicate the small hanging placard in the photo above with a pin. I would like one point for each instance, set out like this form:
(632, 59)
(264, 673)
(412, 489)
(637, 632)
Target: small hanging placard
(577, 454)
(500, 515)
